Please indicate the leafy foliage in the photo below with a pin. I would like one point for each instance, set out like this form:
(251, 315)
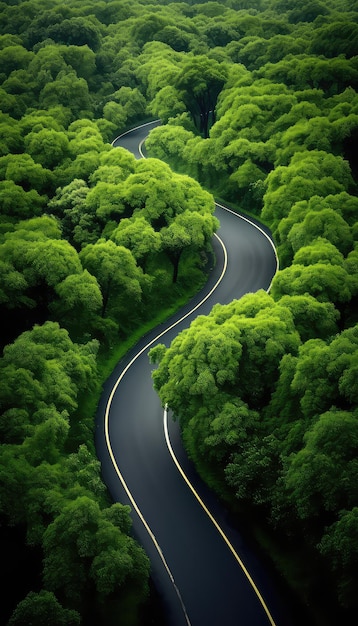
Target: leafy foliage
(258, 102)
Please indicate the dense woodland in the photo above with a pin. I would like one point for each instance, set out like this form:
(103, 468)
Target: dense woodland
(259, 107)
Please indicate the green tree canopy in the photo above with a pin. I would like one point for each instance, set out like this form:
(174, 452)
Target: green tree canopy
(70, 91)
(199, 83)
(312, 318)
(325, 373)
(326, 224)
(79, 300)
(16, 203)
(47, 147)
(55, 368)
(85, 549)
(139, 237)
(310, 173)
(339, 546)
(117, 274)
(322, 476)
(22, 170)
(40, 608)
(324, 281)
(214, 355)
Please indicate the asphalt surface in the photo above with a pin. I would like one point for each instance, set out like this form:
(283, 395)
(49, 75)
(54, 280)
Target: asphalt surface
(198, 578)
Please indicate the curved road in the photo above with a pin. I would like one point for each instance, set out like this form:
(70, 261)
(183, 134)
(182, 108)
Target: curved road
(204, 571)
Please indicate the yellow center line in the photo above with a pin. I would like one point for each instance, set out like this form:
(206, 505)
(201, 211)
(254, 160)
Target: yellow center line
(212, 518)
(108, 439)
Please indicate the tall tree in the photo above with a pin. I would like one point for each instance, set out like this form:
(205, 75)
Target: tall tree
(86, 551)
(40, 608)
(117, 274)
(199, 83)
(339, 546)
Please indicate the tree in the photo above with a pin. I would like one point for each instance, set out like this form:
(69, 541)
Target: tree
(86, 552)
(70, 91)
(82, 167)
(47, 441)
(85, 137)
(312, 134)
(38, 119)
(47, 65)
(199, 84)
(106, 200)
(145, 27)
(69, 197)
(321, 476)
(189, 230)
(211, 378)
(79, 31)
(310, 72)
(225, 352)
(84, 469)
(53, 368)
(41, 609)
(312, 318)
(253, 471)
(175, 238)
(161, 197)
(115, 113)
(158, 67)
(69, 544)
(36, 260)
(47, 147)
(139, 237)
(335, 39)
(12, 140)
(168, 142)
(248, 110)
(249, 181)
(80, 224)
(326, 282)
(79, 301)
(49, 262)
(325, 374)
(115, 165)
(303, 11)
(338, 209)
(174, 37)
(117, 274)
(17, 203)
(319, 250)
(12, 104)
(132, 102)
(230, 431)
(22, 170)
(14, 57)
(15, 425)
(82, 59)
(165, 105)
(339, 546)
(310, 173)
(326, 224)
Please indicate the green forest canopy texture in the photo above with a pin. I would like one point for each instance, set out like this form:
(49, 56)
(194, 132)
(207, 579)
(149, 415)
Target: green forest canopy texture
(258, 103)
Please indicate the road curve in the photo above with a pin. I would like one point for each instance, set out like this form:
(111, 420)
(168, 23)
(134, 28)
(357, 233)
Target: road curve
(203, 568)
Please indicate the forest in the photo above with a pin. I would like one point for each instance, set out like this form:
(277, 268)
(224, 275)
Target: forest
(259, 108)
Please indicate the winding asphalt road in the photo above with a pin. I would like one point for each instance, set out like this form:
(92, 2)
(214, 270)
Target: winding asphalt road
(203, 568)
